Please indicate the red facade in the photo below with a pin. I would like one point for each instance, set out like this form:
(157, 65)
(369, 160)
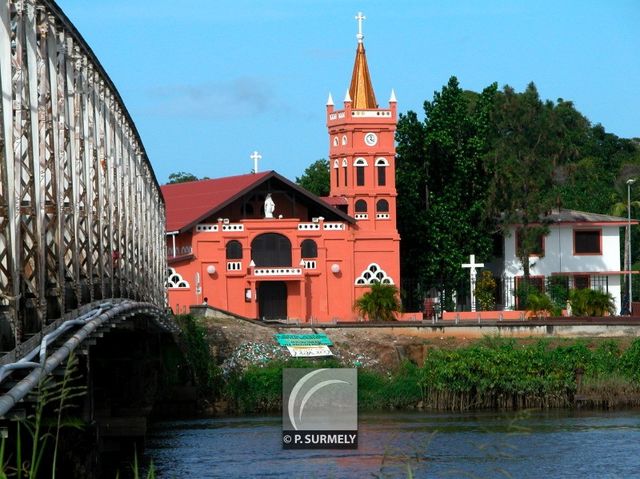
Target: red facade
(315, 256)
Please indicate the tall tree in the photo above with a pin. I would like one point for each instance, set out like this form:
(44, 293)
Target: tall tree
(525, 147)
(442, 186)
(316, 178)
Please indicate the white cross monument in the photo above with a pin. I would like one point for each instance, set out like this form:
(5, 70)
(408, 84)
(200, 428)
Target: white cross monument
(255, 156)
(472, 265)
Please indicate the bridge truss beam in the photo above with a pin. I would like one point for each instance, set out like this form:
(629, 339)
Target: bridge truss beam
(81, 213)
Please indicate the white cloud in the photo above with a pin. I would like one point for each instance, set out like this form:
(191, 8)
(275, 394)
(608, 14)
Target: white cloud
(234, 98)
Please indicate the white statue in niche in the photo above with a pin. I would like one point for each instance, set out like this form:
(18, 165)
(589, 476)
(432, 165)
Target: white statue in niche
(269, 206)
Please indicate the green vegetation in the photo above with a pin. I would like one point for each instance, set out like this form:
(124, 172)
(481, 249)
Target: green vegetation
(181, 177)
(55, 399)
(494, 373)
(198, 356)
(486, 291)
(259, 387)
(316, 178)
(442, 188)
(541, 305)
(590, 302)
(483, 161)
(379, 304)
(499, 373)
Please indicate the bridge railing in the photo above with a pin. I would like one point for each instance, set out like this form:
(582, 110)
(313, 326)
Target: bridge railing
(81, 212)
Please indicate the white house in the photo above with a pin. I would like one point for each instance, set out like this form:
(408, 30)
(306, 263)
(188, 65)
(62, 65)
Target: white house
(582, 247)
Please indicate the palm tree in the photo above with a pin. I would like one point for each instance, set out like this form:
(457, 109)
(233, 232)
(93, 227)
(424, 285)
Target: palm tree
(379, 304)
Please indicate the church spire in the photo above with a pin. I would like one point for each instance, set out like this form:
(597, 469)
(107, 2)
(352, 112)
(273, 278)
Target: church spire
(361, 90)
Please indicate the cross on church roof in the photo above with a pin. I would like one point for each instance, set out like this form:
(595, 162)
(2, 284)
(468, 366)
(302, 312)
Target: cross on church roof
(360, 17)
(255, 156)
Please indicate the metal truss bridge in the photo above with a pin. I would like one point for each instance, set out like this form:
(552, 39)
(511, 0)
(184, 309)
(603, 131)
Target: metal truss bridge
(81, 214)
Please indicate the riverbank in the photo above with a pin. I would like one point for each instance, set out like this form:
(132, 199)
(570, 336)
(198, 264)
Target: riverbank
(398, 371)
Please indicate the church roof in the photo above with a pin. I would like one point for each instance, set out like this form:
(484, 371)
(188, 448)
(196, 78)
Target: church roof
(189, 203)
(361, 90)
(335, 200)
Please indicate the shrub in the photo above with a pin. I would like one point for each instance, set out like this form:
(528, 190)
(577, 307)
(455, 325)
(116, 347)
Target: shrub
(523, 291)
(379, 304)
(198, 355)
(589, 302)
(486, 291)
(558, 290)
(540, 304)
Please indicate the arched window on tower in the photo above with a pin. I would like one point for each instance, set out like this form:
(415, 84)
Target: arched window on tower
(360, 163)
(361, 206)
(336, 166)
(381, 169)
(345, 166)
(309, 249)
(361, 210)
(234, 250)
(382, 206)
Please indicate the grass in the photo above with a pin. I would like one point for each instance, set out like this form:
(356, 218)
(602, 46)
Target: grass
(34, 434)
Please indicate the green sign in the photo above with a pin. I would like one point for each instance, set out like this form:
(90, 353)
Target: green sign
(303, 340)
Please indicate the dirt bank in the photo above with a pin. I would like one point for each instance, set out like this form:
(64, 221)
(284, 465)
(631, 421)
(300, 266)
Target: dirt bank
(237, 343)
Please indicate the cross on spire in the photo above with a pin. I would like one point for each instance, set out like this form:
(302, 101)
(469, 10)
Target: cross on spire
(360, 17)
(255, 156)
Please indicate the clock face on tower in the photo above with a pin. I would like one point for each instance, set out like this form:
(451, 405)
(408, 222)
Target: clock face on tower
(371, 139)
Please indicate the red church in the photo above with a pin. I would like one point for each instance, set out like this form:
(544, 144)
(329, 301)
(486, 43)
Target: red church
(260, 246)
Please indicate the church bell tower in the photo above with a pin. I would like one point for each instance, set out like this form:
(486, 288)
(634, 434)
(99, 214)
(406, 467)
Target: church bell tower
(362, 150)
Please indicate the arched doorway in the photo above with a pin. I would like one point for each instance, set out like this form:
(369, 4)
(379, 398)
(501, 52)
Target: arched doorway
(272, 300)
(271, 249)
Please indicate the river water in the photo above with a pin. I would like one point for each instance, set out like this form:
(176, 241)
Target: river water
(531, 444)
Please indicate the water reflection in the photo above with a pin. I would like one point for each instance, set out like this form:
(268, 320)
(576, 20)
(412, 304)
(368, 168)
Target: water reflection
(520, 445)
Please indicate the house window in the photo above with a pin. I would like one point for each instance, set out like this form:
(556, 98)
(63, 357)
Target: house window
(581, 281)
(538, 245)
(587, 242)
(361, 206)
(309, 249)
(234, 250)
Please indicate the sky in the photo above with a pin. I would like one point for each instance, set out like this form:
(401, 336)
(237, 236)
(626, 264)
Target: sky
(207, 82)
